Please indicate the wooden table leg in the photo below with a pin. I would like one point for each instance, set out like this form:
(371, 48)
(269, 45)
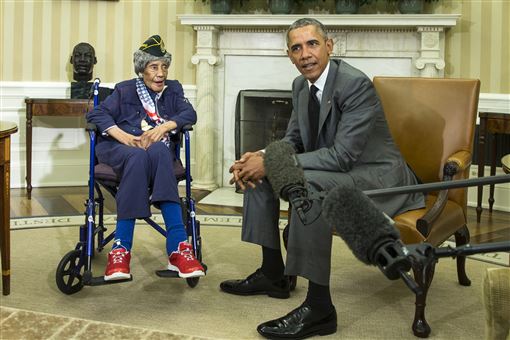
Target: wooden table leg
(6, 129)
(481, 164)
(5, 243)
(493, 170)
(5, 236)
(29, 148)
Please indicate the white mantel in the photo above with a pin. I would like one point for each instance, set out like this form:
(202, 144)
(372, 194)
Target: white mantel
(236, 52)
(329, 20)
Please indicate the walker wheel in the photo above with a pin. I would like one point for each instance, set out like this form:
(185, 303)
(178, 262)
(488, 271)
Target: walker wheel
(193, 281)
(69, 274)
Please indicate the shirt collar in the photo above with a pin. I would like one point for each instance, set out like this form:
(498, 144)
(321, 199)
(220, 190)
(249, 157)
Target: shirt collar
(321, 82)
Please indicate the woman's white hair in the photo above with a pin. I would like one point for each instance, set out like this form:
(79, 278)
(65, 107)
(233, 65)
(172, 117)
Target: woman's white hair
(141, 59)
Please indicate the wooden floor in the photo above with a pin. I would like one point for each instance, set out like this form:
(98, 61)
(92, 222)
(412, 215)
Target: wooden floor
(59, 201)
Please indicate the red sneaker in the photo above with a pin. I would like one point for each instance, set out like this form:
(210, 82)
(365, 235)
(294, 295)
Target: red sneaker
(117, 267)
(184, 262)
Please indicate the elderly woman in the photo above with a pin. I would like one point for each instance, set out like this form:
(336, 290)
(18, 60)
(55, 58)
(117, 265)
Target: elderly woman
(136, 122)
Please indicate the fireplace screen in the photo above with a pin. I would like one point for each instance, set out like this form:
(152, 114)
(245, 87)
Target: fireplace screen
(261, 118)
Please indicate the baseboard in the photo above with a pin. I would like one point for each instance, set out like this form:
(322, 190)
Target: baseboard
(501, 192)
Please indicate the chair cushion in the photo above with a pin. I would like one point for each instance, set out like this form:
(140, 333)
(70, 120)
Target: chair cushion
(451, 219)
(179, 170)
(406, 224)
(105, 173)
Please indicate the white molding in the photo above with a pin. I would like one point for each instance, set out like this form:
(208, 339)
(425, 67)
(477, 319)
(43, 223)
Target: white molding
(501, 192)
(494, 102)
(329, 20)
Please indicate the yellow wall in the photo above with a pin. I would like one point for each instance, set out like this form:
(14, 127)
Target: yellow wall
(478, 47)
(37, 38)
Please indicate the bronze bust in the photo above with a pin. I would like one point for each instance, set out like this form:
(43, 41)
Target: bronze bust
(83, 60)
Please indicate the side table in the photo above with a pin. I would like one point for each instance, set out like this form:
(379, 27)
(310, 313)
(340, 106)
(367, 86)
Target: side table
(6, 130)
(49, 107)
(489, 123)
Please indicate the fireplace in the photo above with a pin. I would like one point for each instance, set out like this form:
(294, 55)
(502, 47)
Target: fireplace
(261, 117)
(239, 52)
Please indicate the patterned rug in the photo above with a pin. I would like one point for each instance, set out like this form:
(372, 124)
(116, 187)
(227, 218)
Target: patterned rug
(499, 258)
(368, 305)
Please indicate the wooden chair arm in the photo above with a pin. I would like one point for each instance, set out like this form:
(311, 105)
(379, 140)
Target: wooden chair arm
(424, 223)
(462, 159)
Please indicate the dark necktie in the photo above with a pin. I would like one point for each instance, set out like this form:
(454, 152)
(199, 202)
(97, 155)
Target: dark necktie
(313, 114)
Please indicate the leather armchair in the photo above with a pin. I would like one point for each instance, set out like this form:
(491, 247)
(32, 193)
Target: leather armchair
(433, 121)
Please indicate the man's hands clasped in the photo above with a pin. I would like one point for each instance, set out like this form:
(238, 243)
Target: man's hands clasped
(248, 170)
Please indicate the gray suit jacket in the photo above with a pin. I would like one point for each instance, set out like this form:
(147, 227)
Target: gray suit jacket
(353, 137)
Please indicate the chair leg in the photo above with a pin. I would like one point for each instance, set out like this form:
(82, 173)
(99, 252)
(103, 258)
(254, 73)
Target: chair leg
(461, 238)
(423, 274)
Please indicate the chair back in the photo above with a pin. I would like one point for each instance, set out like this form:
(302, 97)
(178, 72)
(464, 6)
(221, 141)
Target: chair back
(430, 119)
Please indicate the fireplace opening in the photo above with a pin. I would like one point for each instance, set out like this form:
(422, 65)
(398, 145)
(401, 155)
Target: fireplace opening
(261, 117)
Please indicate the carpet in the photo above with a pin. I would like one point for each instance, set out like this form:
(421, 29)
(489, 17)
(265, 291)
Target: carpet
(227, 196)
(368, 305)
(109, 220)
(499, 258)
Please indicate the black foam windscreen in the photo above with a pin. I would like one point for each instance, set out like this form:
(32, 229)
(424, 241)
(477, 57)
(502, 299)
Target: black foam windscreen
(282, 168)
(358, 222)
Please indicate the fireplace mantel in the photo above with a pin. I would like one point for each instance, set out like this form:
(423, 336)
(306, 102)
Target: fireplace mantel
(330, 21)
(245, 51)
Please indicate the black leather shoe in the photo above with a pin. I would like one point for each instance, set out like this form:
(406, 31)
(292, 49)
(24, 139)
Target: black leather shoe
(292, 282)
(258, 284)
(299, 324)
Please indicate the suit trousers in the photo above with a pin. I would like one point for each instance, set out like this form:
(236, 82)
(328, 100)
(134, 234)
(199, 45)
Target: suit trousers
(309, 246)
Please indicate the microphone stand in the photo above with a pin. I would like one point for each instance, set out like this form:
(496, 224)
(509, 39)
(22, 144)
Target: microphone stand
(305, 199)
(395, 259)
(427, 187)
(424, 255)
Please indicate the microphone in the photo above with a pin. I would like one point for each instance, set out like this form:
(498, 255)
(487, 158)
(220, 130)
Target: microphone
(369, 233)
(287, 178)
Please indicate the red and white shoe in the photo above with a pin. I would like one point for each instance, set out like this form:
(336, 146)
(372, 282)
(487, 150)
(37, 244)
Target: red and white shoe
(117, 267)
(184, 262)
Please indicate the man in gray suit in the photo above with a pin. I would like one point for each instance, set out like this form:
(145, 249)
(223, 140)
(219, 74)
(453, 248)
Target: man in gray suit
(341, 137)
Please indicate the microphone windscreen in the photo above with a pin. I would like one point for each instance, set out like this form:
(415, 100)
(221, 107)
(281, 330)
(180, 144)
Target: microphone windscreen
(358, 222)
(282, 167)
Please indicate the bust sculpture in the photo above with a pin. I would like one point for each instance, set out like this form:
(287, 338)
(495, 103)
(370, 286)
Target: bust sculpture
(83, 60)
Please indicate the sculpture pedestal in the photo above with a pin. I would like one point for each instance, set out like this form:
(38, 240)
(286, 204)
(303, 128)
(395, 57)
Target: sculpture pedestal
(81, 90)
